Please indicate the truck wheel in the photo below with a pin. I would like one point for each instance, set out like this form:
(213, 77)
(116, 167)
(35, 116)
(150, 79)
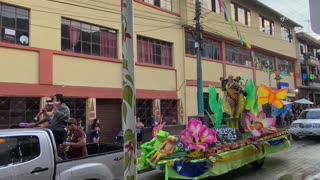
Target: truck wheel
(295, 137)
(258, 163)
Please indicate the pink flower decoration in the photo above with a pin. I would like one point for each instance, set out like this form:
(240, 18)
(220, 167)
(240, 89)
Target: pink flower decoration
(260, 125)
(197, 136)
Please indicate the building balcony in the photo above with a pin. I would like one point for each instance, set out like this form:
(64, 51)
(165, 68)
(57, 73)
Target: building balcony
(312, 60)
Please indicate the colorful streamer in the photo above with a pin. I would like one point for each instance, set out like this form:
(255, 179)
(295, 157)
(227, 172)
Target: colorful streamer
(232, 24)
(304, 76)
(220, 5)
(248, 44)
(241, 39)
(312, 76)
(291, 74)
(284, 74)
(225, 11)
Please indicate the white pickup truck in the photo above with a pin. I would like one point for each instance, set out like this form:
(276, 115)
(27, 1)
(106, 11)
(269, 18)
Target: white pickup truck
(31, 154)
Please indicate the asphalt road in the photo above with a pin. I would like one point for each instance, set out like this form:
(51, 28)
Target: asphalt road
(301, 161)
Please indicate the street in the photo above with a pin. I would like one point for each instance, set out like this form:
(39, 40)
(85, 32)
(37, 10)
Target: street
(301, 160)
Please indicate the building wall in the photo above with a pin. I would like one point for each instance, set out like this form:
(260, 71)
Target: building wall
(19, 66)
(215, 24)
(216, 28)
(44, 70)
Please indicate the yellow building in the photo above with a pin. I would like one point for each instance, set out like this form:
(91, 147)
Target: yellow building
(308, 80)
(73, 47)
(271, 35)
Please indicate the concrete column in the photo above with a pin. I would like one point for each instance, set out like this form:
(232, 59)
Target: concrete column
(181, 119)
(90, 111)
(156, 108)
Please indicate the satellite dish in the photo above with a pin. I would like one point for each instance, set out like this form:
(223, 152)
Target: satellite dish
(24, 40)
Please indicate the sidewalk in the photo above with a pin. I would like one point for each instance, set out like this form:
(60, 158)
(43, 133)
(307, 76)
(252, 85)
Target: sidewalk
(316, 177)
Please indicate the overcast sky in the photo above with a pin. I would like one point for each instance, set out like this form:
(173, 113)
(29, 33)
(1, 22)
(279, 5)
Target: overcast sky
(296, 10)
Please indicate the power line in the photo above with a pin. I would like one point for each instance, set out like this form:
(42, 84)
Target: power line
(114, 12)
(66, 13)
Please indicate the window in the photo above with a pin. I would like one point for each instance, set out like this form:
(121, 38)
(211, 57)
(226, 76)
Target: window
(14, 110)
(18, 149)
(211, 48)
(237, 55)
(77, 108)
(284, 66)
(14, 25)
(144, 109)
(169, 111)
(88, 39)
(164, 4)
(302, 50)
(286, 34)
(266, 25)
(189, 44)
(151, 51)
(212, 5)
(240, 14)
(264, 61)
(309, 115)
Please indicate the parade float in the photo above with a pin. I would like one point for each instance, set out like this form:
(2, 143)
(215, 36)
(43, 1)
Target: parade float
(241, 135)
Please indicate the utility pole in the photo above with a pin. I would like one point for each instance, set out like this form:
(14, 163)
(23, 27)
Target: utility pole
(129, 92)
(198, 46)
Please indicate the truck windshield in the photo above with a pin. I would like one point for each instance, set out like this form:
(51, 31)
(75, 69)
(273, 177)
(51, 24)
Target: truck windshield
(310, 115)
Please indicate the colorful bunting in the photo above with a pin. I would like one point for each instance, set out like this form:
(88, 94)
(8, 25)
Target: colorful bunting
(291, 74)
(284, 73)
(249, 52)
(312, 76)
(241, 39)
(304, 76)
(232, 23)
(298, 76)
(225, 11)
(220, 5)
(248, 44)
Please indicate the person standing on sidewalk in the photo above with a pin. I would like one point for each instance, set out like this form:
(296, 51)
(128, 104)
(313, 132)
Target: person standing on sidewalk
(94, 131)
(140, 127)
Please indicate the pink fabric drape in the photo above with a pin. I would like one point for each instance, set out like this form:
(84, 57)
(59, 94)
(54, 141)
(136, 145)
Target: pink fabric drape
(145, 52)
(140, 51)
(165, 55)
(108, 44)
(74, 34)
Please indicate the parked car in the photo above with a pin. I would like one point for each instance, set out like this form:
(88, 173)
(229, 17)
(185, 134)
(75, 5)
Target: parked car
(307, 124)
(31, 154)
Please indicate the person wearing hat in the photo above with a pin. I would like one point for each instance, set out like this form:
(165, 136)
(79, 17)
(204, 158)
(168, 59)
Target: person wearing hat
(75, 145)
(58, 122)
(47, 112)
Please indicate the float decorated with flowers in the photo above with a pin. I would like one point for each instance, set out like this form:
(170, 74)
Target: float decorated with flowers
(241, 135)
